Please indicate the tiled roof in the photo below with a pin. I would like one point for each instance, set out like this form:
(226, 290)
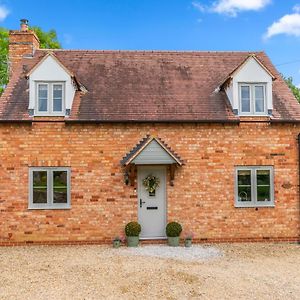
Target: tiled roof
(145, 86)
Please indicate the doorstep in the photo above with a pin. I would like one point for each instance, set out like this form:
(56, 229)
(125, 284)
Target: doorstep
(152, 241)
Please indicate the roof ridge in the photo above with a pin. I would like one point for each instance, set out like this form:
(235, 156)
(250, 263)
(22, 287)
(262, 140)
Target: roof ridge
(153, 51)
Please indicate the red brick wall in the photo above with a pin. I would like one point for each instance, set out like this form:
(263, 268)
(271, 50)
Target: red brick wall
(202, 197)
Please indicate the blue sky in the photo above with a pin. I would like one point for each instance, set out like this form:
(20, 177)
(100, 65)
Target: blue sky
(269, 25)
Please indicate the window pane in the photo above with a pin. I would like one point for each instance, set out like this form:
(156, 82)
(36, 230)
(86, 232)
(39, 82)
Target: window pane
(259, 98)
(43, 104)
(245, 98)
(42, 97)
(60, 187)
(263, 185)
(57, 91)
(57, 97)
(244, 185)
(57, 104)
(39, 187)
(259, 91)
(43, 90)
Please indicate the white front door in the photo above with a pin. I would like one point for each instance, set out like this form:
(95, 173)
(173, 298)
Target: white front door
(152, 206)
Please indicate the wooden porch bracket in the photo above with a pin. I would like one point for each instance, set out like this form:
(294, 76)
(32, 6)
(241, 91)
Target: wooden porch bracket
(132, 172)
(172, 174)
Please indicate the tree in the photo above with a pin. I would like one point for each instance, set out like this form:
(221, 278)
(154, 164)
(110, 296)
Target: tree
(3, 58)
(48, 40)
(294, 89)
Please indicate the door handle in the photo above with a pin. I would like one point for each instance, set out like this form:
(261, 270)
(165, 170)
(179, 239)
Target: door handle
(141, 203)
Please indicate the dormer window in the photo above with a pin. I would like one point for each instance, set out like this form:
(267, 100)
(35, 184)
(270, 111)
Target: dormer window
(50, 99)
(252, 99)
(249, 88)
(52, 88)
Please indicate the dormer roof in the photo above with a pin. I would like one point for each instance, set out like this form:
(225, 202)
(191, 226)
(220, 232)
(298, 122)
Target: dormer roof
(49, 53)
(242, 64)
(41, 61)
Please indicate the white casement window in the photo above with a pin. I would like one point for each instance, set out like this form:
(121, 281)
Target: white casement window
(50, 99)
(254, 186)
(49, 188)
(252, 99)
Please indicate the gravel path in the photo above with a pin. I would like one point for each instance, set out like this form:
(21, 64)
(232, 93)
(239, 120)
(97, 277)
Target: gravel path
(244, 271)
(194, 253)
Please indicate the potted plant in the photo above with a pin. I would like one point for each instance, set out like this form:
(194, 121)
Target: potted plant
(118, 240)
(188, 240)
(173, 231)
(132, 231)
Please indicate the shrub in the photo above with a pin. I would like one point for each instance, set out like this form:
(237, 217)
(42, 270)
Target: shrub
(133, 229)
(173, 229)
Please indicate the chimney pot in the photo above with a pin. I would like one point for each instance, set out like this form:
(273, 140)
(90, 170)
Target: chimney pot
(24, 25)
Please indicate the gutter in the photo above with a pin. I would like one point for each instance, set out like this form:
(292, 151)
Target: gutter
(94, 121)
(16, 121)
(284, 121)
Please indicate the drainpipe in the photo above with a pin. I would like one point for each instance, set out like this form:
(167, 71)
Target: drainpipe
(299, 185)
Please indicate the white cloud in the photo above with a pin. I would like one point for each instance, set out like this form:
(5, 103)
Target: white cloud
(232, 7)
(3, 13)
(199, 6)
(288, 24)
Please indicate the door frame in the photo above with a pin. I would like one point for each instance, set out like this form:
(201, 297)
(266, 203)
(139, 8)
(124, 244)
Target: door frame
(139, 186)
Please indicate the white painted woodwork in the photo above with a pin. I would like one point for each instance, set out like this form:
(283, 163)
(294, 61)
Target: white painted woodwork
(153, 154)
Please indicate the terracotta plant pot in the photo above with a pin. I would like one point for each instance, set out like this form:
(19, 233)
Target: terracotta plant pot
(132, 241)
(173, 241)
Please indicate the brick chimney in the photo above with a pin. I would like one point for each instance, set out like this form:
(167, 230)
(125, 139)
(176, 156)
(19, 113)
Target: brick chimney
(22, 42)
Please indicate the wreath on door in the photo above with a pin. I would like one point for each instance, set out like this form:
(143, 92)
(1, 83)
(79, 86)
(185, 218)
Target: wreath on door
(151, 183)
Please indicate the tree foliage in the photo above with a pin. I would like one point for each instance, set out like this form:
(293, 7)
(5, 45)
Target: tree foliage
(294, 89)
(3, 58)
(48, 40)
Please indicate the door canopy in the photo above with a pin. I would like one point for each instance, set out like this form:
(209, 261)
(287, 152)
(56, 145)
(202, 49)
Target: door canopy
(150, 151)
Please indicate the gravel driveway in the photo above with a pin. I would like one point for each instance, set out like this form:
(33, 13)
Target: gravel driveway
(242, 271)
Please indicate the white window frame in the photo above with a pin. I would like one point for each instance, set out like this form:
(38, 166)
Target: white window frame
(254, 202)
(49, 204)
(252, 98)
(49, 111)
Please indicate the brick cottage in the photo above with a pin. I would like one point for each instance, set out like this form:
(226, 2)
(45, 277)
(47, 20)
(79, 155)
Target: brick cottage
(80, 131)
